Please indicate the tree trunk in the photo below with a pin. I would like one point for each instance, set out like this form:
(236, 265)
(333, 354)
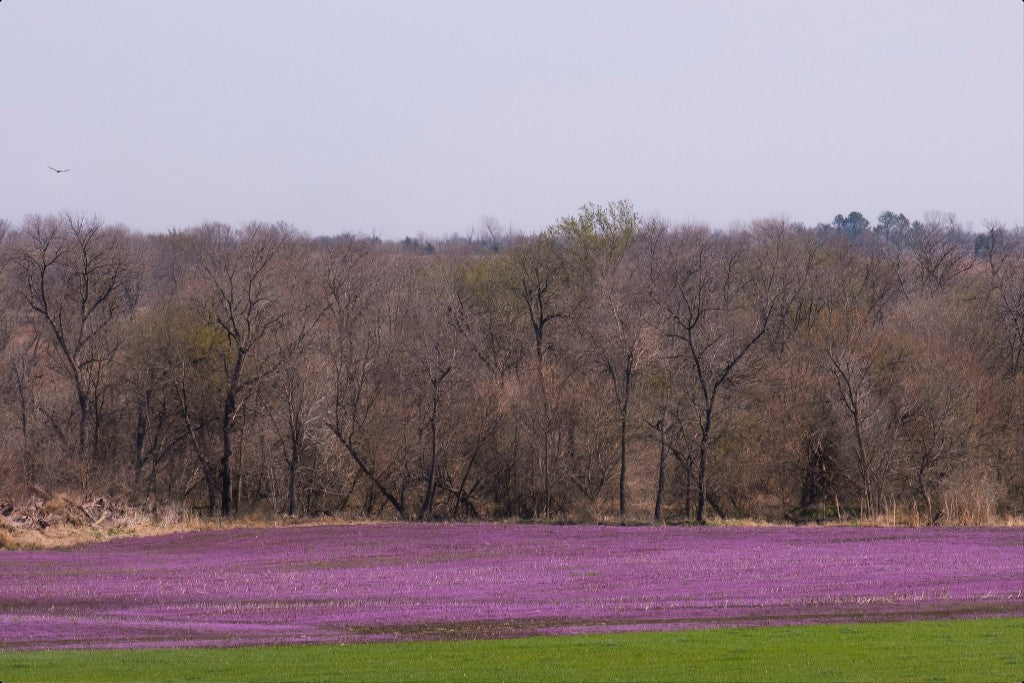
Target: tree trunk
(137, 447)
(225, 460)
(292, 466)
(427, 509)
(83, 420)
(627, 387)
(702, 466)
(659, 497)
(689, 484)
(622, 466)
(396, 502)
(227, 427)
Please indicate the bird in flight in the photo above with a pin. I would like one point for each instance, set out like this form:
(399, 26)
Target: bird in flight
(58, 170)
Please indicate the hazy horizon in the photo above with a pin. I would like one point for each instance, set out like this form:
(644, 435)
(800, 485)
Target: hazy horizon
(407, 118)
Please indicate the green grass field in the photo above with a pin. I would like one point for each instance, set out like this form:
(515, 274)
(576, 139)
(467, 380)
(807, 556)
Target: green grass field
(972, 650)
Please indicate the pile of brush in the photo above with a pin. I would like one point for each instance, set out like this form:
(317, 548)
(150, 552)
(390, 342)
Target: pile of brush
(62, 517)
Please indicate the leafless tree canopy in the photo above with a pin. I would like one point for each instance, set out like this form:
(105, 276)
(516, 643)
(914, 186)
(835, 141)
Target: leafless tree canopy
(611, 367)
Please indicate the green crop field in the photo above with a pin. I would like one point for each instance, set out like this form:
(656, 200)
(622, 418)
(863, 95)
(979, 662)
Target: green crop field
(969, 650)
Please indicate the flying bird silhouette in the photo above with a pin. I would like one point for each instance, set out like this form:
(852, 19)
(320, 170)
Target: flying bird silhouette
(56, 170)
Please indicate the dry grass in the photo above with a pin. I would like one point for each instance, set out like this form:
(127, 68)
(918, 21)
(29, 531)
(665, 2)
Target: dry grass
(65, 520)
(952, 515)
(6, 539)
(72, 522)
(67, 535)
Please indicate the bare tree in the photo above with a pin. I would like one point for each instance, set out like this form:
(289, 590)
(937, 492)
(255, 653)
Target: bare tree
(612, 320)
(431, 356)
(1003, 251)
(538, 277)
(720, 297)
(297, 412)
(7, 305)
(939, 246)
(618, 330)
(363, 322)
(859, 374)
(78, 283)
(240, 289)
(589, 372)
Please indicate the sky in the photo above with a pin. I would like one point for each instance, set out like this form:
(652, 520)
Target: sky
(428, 117)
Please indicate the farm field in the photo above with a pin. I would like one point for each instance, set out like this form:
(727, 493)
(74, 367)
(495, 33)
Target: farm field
(969, 650)
(390, 582)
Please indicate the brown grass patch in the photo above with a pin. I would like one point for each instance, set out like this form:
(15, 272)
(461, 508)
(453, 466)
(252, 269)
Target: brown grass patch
(66, 520)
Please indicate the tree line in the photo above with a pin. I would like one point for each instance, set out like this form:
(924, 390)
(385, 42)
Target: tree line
(611, 367)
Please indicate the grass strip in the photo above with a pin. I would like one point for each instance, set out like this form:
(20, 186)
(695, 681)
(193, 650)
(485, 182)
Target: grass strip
(969, 650)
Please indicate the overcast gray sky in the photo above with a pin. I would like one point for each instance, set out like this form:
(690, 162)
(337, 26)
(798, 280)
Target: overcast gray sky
(407, 117)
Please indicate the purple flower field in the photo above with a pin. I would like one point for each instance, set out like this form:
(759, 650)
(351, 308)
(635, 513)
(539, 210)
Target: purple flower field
(419, 581)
